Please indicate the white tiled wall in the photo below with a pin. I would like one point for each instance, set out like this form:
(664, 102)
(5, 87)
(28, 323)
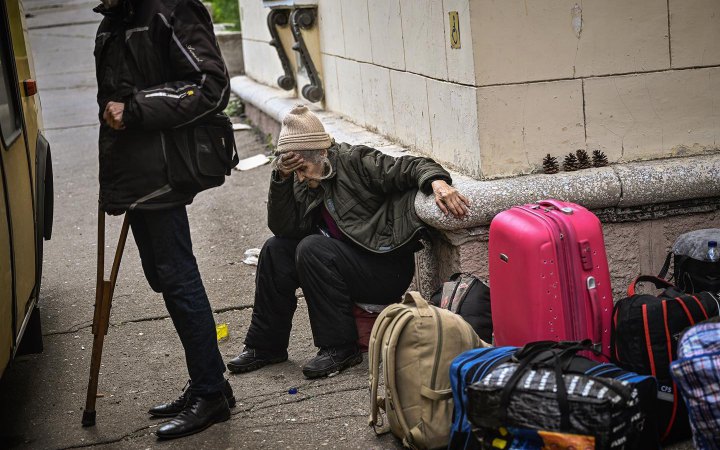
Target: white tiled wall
(410, 110)
(350, 88)
(330, 83)
(526, 81)
(330, 24)
(424, 37)
(356, 28)
(653, 115)
(695, 30)
(460, 61)
(620, 36)
(520, 124)
(386, 33)
(377, 98)
(454, 124)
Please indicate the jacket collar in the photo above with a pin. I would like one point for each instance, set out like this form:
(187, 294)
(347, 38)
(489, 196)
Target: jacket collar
(124, 11)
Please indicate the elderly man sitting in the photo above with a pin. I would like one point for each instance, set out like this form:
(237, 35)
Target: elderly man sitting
(345, 231)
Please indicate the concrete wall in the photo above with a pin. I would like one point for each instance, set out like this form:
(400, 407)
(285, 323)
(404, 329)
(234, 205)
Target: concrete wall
(637, 80)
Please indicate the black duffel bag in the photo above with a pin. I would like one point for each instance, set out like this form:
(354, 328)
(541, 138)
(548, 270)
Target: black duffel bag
(468, 296)
(693, 272)
(644, 337)
(202, 156)
(548, 395)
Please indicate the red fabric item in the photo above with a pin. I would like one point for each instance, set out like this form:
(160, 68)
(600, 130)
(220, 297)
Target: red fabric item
(364, 321)
(332, 227)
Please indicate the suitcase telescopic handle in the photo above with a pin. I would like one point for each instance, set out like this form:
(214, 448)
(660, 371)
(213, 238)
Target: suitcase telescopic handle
(550, 203)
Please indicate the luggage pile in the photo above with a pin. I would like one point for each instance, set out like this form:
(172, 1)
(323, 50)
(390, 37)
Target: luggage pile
(569, 369)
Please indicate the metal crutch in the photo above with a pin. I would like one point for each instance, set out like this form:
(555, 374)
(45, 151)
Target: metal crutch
(103, 301)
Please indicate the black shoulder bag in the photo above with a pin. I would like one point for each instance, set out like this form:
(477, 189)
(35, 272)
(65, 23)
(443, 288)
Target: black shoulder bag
(201, 155)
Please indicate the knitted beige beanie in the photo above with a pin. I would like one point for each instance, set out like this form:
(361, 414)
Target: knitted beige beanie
(302, 130)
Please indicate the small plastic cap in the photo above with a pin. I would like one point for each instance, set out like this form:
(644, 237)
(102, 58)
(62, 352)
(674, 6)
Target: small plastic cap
(712, 244)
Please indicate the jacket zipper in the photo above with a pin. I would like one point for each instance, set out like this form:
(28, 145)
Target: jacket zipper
(332, 214)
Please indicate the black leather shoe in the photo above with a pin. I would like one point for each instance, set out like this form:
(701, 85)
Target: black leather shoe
(174, 408)
(199, 414)
(251, 359)
(331, 360)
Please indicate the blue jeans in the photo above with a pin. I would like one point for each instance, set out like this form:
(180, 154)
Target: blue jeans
(163, 240)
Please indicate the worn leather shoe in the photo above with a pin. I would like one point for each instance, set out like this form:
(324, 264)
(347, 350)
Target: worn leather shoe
(331, 360)
(174, 408)
(199, 414)
(251, 359)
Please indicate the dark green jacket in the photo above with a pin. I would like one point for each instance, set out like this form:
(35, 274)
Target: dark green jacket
(371, 196)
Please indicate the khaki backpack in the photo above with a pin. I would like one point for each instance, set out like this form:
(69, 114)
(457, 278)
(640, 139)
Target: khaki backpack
(417, 342)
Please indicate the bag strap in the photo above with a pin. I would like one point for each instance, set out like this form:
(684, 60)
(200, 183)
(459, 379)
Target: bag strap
(666, 267)
(414, 298)
(375, 346)
(395, 331)
(533, 357)
(473, 281)
(657, 281)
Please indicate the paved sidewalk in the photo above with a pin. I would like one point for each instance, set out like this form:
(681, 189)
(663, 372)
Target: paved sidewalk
(42, 396)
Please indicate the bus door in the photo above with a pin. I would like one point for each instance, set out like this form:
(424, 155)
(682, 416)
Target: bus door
(15, 168)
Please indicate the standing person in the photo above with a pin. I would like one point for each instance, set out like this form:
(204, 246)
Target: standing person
(345, 231)
(159, 68)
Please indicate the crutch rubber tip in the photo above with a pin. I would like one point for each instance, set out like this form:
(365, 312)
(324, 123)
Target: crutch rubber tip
(88, 418)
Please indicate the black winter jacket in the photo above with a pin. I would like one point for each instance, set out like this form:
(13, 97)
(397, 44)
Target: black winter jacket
(371, 197)
(161, 59)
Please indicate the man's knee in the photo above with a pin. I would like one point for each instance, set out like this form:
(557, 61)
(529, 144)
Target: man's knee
(311, 247)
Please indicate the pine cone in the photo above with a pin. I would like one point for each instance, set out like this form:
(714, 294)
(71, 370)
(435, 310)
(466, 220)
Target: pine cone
(599, 159)
(570, 164)
(583, 159)
(550, 164)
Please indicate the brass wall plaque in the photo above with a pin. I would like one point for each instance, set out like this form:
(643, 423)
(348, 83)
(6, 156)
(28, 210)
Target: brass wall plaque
(454, 29)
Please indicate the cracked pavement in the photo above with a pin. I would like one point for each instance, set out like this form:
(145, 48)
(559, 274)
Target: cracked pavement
(42, 396)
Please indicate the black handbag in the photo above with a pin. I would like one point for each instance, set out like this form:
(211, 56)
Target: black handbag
(466, 295)
(200, 156)
(645, 330)
(692, 271)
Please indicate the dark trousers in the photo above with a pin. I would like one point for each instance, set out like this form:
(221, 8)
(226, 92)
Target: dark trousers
(333, 276)
(163, 239)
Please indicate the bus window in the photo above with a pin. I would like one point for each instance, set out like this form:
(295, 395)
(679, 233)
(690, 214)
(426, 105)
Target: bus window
(9, 117)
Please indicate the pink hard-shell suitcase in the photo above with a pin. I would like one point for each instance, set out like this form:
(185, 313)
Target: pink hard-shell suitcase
(549, 277)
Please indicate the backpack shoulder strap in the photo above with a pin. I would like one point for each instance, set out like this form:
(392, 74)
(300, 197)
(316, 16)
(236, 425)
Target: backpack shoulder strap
(666, 267)
(377, 335)
(389, 352)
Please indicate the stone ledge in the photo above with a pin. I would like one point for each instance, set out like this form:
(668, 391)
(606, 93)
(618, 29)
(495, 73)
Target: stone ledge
(618, 186)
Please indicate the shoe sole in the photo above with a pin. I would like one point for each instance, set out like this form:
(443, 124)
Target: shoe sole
(254, 365)
(190, 433)
(352, 361)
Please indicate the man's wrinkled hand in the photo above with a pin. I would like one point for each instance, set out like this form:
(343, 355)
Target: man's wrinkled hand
(449, 200)
(289, 163)
(113, 115)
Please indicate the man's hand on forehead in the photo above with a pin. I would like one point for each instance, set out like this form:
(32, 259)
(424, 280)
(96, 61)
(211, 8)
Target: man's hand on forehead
(289, 163)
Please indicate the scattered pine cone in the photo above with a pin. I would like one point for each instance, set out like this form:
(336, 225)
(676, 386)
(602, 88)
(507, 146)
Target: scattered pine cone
(583, 159)
(599, 159)
(550, 164)
(570, 164)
